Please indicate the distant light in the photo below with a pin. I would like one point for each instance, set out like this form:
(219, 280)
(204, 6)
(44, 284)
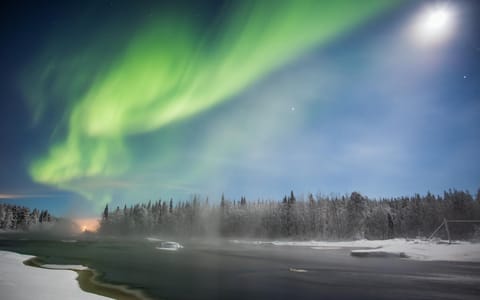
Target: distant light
(293, 108)
(464, 76)
(435, 23)
(87, 224)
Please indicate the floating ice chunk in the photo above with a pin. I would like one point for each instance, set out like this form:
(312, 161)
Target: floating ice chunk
(169, 246)
(377, 253)
(297, 270)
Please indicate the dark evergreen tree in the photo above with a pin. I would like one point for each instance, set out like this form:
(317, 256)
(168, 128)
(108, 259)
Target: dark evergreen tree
(105, 213)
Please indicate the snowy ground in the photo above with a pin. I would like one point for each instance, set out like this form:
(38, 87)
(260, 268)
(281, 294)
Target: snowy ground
(413, 249)
(18, 281)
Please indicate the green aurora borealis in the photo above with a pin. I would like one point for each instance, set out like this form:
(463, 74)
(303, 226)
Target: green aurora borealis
(168, 69)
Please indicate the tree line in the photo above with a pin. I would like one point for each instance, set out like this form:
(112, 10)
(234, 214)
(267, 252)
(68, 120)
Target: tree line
(14, 217)
(351, 216)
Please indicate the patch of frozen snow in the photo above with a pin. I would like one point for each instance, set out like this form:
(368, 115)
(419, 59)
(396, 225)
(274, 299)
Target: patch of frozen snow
(65, 267)
(19, 282)
(414, 249)
(428, 250)
(312, 243)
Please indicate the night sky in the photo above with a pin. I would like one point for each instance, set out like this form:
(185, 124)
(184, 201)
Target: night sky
(121, 102)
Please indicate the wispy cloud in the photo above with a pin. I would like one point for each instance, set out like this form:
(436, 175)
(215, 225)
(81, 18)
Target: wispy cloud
(27, 196)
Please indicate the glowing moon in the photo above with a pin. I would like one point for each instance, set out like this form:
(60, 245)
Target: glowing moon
(434, 24)
(437, 20)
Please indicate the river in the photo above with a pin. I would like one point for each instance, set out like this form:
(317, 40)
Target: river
(222, 270)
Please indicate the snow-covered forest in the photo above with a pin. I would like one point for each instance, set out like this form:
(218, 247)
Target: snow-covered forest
(14, 217)
(313, 217)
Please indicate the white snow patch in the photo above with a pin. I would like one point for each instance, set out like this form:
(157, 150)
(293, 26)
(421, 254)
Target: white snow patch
(429, 250)
(414, 249)
(19, 282)
(65, 267)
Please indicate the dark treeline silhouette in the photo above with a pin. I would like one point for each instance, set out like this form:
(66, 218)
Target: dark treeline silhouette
(316, 217)
(14, 217)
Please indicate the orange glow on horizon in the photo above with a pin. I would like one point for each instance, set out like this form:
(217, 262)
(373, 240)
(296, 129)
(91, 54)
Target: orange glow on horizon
(87, 224)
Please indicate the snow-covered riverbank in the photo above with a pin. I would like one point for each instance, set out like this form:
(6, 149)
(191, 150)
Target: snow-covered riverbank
(413, 249)
(18, 281)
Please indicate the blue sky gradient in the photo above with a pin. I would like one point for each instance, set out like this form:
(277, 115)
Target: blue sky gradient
(373, 111)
